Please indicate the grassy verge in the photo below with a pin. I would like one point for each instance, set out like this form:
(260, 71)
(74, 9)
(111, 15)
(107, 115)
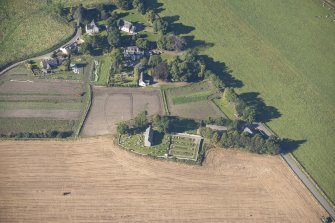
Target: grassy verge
(86, 108)
(10, 105)
(225, 107)
(165, 105)
(34, 125)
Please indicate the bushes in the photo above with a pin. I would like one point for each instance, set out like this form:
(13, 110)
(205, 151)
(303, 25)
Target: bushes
(235, 139)
(247, 112)
(47, 134)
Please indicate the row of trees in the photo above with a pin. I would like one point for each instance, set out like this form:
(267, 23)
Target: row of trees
(247, 112)
(137, 124)
(235, 139)
(47, 134)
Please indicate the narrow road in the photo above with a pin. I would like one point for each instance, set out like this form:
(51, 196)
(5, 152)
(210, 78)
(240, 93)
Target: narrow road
(48, 55)
(306, 181)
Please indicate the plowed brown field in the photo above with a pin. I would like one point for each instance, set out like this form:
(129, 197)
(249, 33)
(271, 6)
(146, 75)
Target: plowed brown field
(108, 184)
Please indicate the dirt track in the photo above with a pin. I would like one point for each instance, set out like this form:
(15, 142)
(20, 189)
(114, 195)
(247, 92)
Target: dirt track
(111, 185)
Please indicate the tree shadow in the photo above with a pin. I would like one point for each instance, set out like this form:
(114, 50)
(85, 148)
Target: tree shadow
(176, 27)
(182, 124)
(91, 14)
(154, 5)
(223, 72)
(264, 113)
(198, 44)
(158, 138)
(290, 145)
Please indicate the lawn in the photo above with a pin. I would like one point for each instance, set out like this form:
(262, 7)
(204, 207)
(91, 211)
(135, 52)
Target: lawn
(104, 71)
(136, 143)
(283, 52)
(28, 28)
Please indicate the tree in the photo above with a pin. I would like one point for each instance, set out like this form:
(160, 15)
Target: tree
(171, 42)
(249, 114)
(142, 43)
(230, 95)
(117, 60)
(161, 123)
(144, 61)
(139, 5)
(154, 60)
(114, 37)
(160, 25)
(150, 16)
(122, 4)
(141, 121)
(161, 71)
(136, 74)
(123, 128)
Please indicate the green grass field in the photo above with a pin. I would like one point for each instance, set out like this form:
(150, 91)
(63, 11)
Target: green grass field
(35, 125)
(103, 72)
(281, 50)
(28, 28)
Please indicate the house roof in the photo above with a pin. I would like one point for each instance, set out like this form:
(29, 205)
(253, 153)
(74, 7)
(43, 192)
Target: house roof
(148, 135)
(133, 50)
(217, 127)
(92, 25)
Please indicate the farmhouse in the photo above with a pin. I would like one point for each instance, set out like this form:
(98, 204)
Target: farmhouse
(148, 136)
(128, 27)
(133, 53)
(91, 28)
(51, 63)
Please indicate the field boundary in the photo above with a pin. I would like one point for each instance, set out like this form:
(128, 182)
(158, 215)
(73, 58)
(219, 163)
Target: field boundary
(86, 112)
(164, 101)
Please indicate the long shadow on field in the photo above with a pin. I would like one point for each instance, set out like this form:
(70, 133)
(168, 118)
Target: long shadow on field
(182, 124)
(154, 5)
(158, 138)
(220, 69)
(264, 113)
(290, 145)
(177, 27)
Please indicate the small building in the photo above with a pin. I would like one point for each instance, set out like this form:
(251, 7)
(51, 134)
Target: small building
(133, 53)
(148, 136)
(51, 63)
(74, 68)
(248, 130)
(217, 127)
(142, 82)
(126, 26)
(73, 48)
(91, 28)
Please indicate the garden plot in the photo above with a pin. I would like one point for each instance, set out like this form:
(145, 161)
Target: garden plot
(192, 101)
(29, 104)
(112, 105)
(185, 146)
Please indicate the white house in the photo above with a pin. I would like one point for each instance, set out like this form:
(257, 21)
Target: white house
(74, 68)
(142, 82)
(91, 28)
(128, 27)
(148, 136)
